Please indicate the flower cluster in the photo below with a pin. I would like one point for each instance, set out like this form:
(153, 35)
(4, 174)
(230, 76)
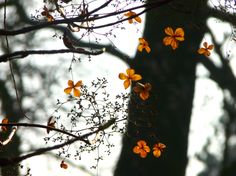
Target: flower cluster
(141, 89)
(143, 149)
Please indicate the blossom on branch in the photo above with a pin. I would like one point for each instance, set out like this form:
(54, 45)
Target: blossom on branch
(157, 149)
(131, 76)
(205, 50)
(174, 37)
(142, 149)
(134, 15)
(143, 44)
(143, 90)
(73, 87)
(4, 121)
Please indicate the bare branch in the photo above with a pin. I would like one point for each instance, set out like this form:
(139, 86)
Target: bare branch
(22, 54)
(46, 127)
(85, 18)
(221, 15)
(10, 161)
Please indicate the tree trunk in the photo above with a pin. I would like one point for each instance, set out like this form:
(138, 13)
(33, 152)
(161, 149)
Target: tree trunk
(165, 116)
(9, 106)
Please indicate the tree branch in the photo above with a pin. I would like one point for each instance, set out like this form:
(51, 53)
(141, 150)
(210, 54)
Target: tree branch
(221, 15)
(22, 54)
(11, 161)
(86, 18)
(46, 127)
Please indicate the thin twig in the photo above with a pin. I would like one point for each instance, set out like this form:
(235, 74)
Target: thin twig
(10, 161)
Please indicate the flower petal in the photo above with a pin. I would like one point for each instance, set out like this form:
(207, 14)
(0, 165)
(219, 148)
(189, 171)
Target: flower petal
(140, 48)
(78, 84)
(146, 148)
(76, 92)
(136, 77)
(136, 149)
(141, 143)
(143, 154)
(138, 19)
(167, 40)
(157, 153)
(148, 49)
(179, 32)
(138, 89)
(141, 40)
(122, 76)
(205, 44)
(68, 90)
(201, 51)
(210, 47)
(126, 83)
(70, 83)
(130, 72)
(174, 44)
(169, 31)
(144, 95)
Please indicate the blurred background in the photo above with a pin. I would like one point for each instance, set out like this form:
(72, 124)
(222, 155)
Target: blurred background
(192, 105)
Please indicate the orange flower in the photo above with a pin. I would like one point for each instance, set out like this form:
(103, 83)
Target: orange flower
(4, 121)
(63, 165)
(131, 76)
(205, 51)
(46, 13)
(143, 90)
(143, 44)
(174, 37)
(131, 14)
(157, 149)
(141, 149)
(73, 87)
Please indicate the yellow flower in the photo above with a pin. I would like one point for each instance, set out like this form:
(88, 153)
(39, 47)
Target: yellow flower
(143, 44)
(131, 76)
(73, 87)
(174, 37)
(143, 90)
(4, 121)
(131, 14)
(205, 51)
(142, 149)
(157, 149)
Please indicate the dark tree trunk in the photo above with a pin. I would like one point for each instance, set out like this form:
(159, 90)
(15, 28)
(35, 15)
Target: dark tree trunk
(10, 107)
(165, 117)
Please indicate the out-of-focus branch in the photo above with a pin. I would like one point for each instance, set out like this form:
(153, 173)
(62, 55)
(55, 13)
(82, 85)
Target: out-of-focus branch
(148, 6)
(222, 75)
(22, 54)
(221, 15)
(10, 161)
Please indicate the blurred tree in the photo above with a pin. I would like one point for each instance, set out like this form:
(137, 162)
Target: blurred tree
(172, 74)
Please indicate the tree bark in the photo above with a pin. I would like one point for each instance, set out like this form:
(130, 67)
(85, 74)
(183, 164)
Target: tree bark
(165, 117)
